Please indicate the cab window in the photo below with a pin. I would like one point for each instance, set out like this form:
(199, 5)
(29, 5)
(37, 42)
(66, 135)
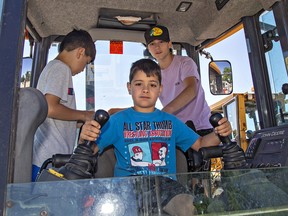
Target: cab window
(103, 84)
(276, 67)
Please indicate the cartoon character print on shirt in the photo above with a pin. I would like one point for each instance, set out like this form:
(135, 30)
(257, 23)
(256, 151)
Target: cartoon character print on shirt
(159, 153)
(147, 142)
(141, 155)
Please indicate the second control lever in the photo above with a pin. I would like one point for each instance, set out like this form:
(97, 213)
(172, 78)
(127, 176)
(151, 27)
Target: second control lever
(233, 155)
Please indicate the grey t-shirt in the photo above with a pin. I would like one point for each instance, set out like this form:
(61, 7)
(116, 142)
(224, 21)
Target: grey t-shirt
(55, 136)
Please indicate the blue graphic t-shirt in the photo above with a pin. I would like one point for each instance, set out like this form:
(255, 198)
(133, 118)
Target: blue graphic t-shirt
(145, 143)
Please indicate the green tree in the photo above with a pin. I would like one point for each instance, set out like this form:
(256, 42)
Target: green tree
(227, 74)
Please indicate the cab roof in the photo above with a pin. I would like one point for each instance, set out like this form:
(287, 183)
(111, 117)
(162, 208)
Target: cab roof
(202, 21)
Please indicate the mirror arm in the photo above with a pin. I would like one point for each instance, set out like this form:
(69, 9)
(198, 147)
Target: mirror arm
(206, 54)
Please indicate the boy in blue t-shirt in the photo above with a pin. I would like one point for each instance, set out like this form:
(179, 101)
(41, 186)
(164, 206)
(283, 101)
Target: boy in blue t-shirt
(145, 138)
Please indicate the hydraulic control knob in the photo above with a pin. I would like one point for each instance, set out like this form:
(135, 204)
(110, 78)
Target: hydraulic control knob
(214, 119)
(233, 155)
(101, 116)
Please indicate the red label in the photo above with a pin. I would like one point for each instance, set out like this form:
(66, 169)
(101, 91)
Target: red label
(116, 47)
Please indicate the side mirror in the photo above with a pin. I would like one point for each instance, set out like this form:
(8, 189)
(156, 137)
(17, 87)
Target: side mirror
(25, 76)
(220, 77)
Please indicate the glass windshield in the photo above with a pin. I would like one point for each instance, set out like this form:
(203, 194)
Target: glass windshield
(1, 6)
(26, 72)
(276, 66)
(112, 74)
(239, 192)
(234, 50)
(231, 112)
(103, 85)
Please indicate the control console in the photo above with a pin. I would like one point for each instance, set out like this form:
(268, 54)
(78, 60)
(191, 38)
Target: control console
(268, 148)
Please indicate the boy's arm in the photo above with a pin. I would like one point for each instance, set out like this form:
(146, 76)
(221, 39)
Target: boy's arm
(58, 111)
(212, 139)
(188, 94)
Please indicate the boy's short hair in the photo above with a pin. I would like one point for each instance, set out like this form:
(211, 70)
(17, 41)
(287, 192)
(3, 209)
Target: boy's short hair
(76, 39)
(148, 66)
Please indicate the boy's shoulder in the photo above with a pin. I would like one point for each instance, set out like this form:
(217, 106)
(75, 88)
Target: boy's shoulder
(182, 59)
(120, 113)
(53, 64)
(56, 63)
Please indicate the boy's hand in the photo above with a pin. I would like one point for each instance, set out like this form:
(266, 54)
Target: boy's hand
(224, 128)
(90, 131)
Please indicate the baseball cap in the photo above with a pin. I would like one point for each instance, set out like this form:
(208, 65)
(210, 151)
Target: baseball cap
(157, 33)
(136, 149)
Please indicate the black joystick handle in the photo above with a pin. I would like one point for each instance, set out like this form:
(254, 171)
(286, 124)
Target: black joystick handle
(233, 155)
(101, 116)
(214, 119)
(82, 163)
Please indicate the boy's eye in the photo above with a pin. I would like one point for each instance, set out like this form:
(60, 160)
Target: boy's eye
(153, 85)
(138, 84)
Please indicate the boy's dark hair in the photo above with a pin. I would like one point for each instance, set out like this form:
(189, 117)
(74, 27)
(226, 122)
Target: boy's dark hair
(148, 66)
(76, 39)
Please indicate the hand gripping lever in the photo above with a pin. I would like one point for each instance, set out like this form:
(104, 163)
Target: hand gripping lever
(233, 155)
(82, 163)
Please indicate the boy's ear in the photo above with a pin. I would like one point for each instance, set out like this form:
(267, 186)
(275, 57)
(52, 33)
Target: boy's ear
(170, 44)
(129, 88)
(80, 52)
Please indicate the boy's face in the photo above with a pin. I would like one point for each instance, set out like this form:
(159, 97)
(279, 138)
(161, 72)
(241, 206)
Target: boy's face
(145, 91)
(159, 49)
(81, 61)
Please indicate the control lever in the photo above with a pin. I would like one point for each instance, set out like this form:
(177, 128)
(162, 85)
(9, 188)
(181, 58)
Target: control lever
(101, 116)
(59, 160)
(214, 119)
(233, 155)
(82, 162)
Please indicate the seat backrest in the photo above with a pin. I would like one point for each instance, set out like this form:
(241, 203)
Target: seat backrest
(107, 161)
(181, 162)
(32, 112)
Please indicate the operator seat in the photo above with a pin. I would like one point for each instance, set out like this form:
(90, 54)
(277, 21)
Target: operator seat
(33, 110)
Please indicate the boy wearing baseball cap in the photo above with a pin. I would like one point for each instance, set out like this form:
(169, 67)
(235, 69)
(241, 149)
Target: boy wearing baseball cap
(182, 94)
